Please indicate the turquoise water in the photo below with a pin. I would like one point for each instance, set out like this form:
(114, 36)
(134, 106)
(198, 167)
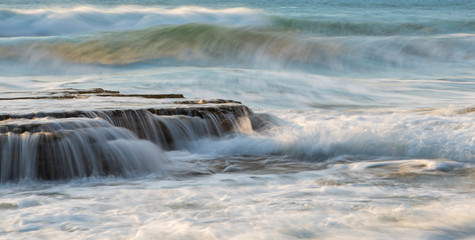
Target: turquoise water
(375, 98)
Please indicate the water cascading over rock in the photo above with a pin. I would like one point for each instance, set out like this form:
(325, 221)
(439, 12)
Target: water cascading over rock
(128, 142)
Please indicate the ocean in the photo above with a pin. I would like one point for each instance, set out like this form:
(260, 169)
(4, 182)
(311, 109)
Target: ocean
(369, 109)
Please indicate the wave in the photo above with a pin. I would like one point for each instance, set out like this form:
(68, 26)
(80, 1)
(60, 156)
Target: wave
(89, 19)
(92, 19)
(329, 27)
(323, 136)
(212, 45)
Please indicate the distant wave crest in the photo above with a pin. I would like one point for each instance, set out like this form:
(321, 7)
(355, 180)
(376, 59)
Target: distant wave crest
(87, 19)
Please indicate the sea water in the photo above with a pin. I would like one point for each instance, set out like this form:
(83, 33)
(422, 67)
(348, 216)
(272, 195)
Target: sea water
(374, 102)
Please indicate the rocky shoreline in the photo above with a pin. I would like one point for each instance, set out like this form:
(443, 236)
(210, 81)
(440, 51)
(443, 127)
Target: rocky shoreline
(63, 144)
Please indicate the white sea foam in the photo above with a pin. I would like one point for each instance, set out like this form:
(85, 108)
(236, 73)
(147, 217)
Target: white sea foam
(330, 204)
(324, 135)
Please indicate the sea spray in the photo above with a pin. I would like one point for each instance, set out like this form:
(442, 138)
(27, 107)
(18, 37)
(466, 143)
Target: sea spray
(322, 136)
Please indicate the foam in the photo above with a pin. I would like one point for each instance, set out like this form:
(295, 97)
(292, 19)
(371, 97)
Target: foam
(239, 206)
(321, 136)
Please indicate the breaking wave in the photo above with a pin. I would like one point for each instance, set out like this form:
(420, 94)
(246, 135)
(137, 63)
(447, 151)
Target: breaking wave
(212, 45)
(87, 19)
(55, 38)
(322, 136)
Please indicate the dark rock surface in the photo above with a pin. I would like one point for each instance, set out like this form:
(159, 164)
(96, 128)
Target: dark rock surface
(77, 93)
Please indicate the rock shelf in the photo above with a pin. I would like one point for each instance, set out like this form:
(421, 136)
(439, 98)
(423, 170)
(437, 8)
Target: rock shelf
(126, 141)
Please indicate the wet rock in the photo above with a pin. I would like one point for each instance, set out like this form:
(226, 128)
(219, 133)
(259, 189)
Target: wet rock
(82, 93)
(79, 143)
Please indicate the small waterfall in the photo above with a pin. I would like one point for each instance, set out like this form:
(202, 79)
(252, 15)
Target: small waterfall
(65, 148)
(179, 128)
(64, 145)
